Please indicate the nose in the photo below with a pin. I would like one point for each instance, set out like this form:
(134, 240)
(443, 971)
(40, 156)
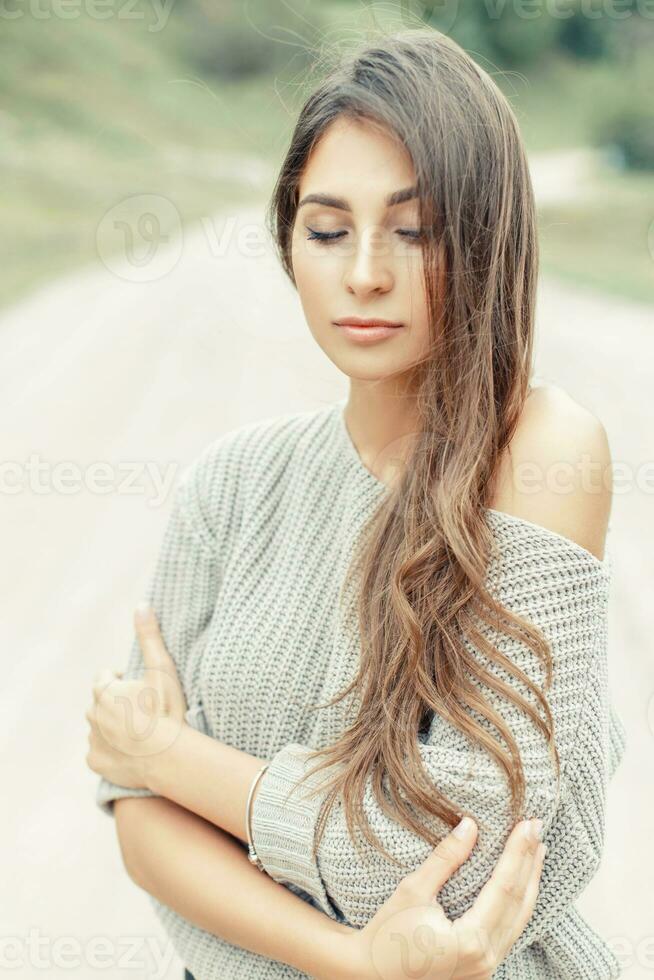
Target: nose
(369, 268)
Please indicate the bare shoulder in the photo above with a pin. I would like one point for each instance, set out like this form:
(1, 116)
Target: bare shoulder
(557, 469)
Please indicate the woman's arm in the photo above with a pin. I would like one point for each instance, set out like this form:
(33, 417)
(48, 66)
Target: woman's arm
(283, 831)
(191, 867)
(185, 580)
(195, 761)
(204, 875)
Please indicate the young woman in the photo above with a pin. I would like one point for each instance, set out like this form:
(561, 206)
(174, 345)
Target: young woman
(374, 618)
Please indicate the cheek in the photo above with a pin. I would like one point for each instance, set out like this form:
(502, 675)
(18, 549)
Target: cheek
(317, 274)
(410, 281)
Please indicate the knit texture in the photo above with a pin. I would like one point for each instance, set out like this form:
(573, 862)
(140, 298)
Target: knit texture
(245, 587)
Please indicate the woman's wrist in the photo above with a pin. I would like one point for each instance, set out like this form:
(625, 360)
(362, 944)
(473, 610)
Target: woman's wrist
(156, 764)
(189, 768)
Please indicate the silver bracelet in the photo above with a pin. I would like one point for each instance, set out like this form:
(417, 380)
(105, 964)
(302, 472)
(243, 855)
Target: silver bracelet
(252, 854)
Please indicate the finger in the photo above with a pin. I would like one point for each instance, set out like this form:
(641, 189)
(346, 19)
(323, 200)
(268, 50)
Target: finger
(521, 870)
(512, 927)
(151, 644)
(522, 877)
(502, 896)
(430, 876)
(153, 647)
(160, 673)
(531, 891)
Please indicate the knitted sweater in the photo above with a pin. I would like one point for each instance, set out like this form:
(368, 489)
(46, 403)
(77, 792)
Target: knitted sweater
(245, 588)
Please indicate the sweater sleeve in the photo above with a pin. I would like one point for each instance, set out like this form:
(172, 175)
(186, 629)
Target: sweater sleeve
(183, 585)
(564, 590)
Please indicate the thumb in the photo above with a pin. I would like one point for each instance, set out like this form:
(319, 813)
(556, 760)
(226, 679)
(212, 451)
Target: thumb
(160, 668)
(446, 857)
(149, 636)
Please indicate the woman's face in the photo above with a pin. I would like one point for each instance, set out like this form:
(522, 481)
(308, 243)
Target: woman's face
(373, 268)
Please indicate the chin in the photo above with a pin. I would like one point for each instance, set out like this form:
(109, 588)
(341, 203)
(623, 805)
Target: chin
(366, 366)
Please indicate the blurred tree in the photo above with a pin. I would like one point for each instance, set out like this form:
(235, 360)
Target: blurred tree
(584, 37)
(623, 118)
(518, 34)
(622, 115)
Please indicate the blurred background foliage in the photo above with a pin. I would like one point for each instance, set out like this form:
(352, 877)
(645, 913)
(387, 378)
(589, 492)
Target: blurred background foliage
(196, 100)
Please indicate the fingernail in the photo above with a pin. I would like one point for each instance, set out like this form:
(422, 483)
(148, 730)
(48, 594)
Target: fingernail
(533, 828)
(142, 611)
(464, 828)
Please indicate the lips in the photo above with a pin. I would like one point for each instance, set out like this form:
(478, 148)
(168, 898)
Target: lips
(355, 321)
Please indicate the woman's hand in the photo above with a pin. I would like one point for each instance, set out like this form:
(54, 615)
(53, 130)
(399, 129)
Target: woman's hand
(133, 721)
(411, 936)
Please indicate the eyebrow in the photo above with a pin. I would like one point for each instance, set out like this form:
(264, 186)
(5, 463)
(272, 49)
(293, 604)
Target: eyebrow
(328, 201)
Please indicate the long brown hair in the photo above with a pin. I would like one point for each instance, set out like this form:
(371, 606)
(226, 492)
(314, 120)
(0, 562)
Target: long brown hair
(425, 552)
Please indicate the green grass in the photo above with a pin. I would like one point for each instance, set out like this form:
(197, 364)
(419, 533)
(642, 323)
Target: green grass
(92, 112)
(555, 103)
(605, 240)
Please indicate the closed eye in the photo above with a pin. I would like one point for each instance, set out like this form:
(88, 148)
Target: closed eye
(329, 236)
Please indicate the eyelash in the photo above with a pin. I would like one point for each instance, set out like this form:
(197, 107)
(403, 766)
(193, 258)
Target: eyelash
(324, 237)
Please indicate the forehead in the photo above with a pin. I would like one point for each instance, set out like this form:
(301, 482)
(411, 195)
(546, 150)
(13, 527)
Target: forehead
(357, 160)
